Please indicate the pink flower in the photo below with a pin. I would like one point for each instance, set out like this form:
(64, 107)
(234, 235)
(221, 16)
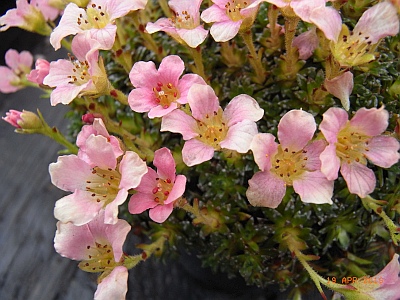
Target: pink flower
(327, 19)
(230, 16)
(99, 248)
(18, 65)
(341, 87)
(352, 142)
(97, 128)
(83, 75)
(159, 190)
(383, 286)
(295, 162)
(32, 16)
(160, 91)
(42, 68)
(356, 48)
(184, 26)
(23, 120)
(209, 128)
(97, 21)
(99, 179)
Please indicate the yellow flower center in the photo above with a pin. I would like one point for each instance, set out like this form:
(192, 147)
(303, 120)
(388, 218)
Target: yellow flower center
(353, 49)
(289, 165)
(100, 257)
(183, 20)
(162, 190)
(105, 187)
(80, 71)
(233, 9)
(351, 145)
(97, 18)
(166, 94)
(213, 129)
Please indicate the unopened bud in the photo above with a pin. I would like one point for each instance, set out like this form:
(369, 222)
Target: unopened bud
(23, 120)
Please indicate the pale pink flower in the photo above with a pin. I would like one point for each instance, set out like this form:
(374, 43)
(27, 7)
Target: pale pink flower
(210, 128)
(97, 128)
(326, 18)
(23, 119)
(230, 16)
(97, 21)
(341, 87)
(18, 65)
(294, 162)
(160, 91)
(352, 142)
(184, 26)
(158, 191)
(42, 68)
(99, 248)
(383, 286)
(99, 180)
(356, 48)
(82, 75)
(31, 16)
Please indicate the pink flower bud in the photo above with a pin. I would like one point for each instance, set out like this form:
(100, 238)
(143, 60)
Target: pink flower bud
(23, 120)
(89, 117)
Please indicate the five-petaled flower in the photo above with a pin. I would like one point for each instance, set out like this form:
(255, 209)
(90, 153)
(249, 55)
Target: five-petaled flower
(18, 66)
(158, 191)
(160, 91)
(97, 21)
(99, 178)
(352, 142)
(99, 248)
(294, 162)
(210, 128)
(81, 75)
(184, 26)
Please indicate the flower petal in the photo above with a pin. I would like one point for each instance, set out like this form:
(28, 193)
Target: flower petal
(161, 212)
(295, 129)
(195, 152)
(140, 202)
(313, 187)
(264, 148)
(265, 190)
(78, 208)
(202, 101)
(370, 121)
(383, 151)
(165, 163)
(360, 180)
(178, 121)
(132, 169)
(114, 286)
(242, 107)
(330, 163)
(239, 136)
(341, 87)
(334, 119)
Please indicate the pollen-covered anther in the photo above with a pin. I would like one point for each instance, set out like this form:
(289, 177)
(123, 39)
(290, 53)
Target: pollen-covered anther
(165, 94)
(233, 9)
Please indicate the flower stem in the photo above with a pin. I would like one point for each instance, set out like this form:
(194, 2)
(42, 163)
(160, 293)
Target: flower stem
(56, 135)
(198, 61)
(254, 57)
(374, 204)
